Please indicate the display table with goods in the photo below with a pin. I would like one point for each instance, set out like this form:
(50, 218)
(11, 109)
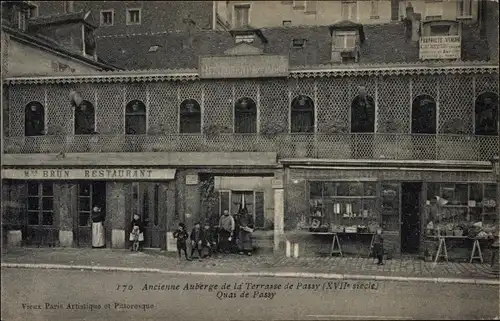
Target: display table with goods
(462, 212)
(341, 209)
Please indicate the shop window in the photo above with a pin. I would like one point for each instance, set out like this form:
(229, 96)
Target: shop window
(302, 115)
(34, 119)
(340, 204)
(253, 200)
(245, 116)
(190, 117)
(486, 110)
(135, 118)
(363, 114)
(423, 115)
(40, 207)
(84, 118)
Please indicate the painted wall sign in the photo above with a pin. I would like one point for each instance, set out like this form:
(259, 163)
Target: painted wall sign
(248, 66)
(191, 179)
(440, 47)
(90, 174)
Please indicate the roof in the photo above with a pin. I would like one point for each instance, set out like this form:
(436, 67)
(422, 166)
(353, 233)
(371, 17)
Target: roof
(50, 44)
(384, 44)
(80, 16)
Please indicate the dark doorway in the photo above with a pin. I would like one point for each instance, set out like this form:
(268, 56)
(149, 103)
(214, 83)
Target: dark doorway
(410, 217)
(90, 194)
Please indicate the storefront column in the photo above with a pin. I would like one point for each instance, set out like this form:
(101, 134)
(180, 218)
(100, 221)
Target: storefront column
(115, 209)
(279, 217)
(64, 202)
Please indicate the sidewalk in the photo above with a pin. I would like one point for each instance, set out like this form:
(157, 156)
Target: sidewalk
(233, 263)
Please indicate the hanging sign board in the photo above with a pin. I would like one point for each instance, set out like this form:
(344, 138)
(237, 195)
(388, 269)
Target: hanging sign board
(89, 174)
(440, 47)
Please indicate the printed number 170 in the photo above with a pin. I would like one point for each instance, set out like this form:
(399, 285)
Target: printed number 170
(124, 287)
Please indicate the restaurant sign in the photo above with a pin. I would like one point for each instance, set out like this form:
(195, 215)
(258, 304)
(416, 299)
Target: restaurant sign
(440, 47)
(89, 174)
(245, 66)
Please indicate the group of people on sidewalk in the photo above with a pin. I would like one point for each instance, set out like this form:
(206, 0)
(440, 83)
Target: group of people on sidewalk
(231, 232)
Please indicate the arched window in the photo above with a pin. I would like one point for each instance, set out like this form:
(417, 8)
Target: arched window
(245, 116)
(84, 118)
(190, 117)
(34, 119)
(302, 115)
(135, 118)
(363, 114)
(486, 110)
(423, 120)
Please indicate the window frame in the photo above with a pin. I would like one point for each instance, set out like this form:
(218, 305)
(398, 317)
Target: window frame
(372, 115)
(127, 114)
(435, 114)
(44, 120)
(128, 20)
(35, 10)
(94, 120)
(181, 114)
(40, 198)
(496, 118)
(256, 115)
(351, 7)
(101, 18)
(238, 7)
(302, 110)
(345, 35)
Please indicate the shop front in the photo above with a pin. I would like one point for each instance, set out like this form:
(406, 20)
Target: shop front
(352, 202)
(54, 206)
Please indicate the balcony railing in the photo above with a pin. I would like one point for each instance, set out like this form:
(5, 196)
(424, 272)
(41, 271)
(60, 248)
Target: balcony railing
(331, 146)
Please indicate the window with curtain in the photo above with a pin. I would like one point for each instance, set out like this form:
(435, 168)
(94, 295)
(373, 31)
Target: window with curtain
(40, 205)
(302, 115)
(190, 117)
(486, 110)
(245, 116)
(135, 118)
(84, 118)
(34, 119)
(363, 114)
(423, 115)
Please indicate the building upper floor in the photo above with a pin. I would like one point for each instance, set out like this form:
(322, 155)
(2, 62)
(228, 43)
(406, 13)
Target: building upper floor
(265, 14)
(35, 46)
(440, 113)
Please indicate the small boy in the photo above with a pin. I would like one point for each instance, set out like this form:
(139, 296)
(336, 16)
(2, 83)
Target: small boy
(208, 239)
(378, 247)
(181, 235)
(196, 239)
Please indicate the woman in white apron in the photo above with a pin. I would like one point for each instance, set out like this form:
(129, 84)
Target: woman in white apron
(98, 235)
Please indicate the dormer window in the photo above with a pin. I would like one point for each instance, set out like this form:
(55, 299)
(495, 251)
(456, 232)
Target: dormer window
(153, 48)
(89, 41)
(345, 40)
(245, 38)
(298, 43)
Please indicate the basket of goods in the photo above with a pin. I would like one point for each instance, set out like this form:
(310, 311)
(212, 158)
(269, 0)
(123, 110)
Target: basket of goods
(337, 229)
(351, 229)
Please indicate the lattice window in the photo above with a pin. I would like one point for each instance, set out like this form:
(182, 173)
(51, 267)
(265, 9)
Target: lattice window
(486, 112)
(190, 117)
(245, 116)
(34, 119)
(40, 205)
(135, 118)
(302, 115)
(84, 118)
(363, 114)
(423, 115)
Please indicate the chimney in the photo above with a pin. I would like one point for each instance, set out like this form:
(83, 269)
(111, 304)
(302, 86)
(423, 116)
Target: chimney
(395, 10)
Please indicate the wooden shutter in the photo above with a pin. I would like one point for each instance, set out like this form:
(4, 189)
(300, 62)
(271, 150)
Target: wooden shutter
(259, 210)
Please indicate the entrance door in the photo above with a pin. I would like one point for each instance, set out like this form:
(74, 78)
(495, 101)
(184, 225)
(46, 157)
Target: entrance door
(90, 194)
(149, 202)
(410, 216)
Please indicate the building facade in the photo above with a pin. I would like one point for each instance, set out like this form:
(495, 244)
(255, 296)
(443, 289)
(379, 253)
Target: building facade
(358, 137)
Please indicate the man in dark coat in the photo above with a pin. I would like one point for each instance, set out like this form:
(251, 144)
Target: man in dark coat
(245, 224)
(197, 237)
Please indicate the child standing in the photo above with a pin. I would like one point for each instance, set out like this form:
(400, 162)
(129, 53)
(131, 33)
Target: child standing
(196, 239)
(181, 235)
(378, 247)
(136, 222)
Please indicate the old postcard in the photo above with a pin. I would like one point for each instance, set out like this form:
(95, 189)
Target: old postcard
(250, 160)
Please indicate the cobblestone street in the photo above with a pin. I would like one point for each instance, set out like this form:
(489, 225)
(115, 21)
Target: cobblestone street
(256, 263)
